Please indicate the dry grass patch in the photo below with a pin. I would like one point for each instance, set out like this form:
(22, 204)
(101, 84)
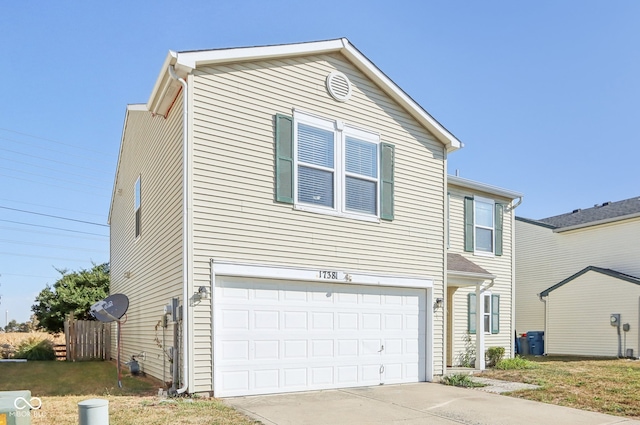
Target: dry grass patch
(135, 410)
(62, 385)
(15, 338)
(606, 386)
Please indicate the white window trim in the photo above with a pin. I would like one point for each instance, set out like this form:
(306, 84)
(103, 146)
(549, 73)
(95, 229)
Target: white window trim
(476, 251)
(487, 330)
(341, 131)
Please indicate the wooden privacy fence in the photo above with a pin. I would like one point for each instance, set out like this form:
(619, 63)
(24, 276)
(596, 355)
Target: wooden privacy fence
(87, 339)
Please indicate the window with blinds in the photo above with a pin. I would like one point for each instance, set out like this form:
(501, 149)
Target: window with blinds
(337, 167)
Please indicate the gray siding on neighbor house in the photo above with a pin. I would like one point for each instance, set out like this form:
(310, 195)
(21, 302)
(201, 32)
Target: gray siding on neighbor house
(546, 258)
(235, 216)
(152, 149)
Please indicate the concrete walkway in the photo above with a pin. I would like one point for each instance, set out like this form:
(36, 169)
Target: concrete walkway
(411, 404)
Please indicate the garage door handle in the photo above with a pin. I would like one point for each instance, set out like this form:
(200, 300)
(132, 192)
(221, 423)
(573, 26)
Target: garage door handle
(381, 349)
(381, 369)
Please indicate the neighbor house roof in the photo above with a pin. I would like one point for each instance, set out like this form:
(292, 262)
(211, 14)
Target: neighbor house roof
(608, 272)
(166, 89)
(598, 214)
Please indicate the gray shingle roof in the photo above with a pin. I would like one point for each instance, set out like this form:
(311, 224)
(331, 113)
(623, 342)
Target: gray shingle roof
(605, 211)
(457, 263)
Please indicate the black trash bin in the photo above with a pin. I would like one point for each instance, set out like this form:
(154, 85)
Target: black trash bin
(536, 342)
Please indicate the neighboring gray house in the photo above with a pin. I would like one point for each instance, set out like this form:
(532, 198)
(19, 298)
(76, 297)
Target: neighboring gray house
(573, 271)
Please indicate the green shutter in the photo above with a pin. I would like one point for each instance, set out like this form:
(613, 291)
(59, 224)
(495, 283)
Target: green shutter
(471, 312)
(499, 220)
(468, 224)
(495, 314)
(387, 158)
(284, 158)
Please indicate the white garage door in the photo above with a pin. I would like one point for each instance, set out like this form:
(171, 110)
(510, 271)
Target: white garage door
(273, 337)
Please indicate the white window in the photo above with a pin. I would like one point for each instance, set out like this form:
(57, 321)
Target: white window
(337, 168)
(136, 207)
(484, 225)
(490, 313)
(487, 313)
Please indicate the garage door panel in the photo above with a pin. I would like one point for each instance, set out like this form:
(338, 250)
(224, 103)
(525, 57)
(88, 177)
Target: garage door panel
(290, 336)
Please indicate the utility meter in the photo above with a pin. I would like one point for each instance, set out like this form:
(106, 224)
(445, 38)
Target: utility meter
(615, 320)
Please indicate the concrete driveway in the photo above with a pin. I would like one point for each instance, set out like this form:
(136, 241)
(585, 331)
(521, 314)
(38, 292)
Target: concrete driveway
(410, 404)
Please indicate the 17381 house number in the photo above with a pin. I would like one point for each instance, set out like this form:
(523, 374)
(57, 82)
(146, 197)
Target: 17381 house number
(325, 274)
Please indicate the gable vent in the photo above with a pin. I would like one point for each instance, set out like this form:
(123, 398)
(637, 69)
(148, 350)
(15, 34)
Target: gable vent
(339, 86)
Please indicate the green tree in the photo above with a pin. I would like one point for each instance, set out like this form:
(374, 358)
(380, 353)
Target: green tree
(12, 326)
(73, 292)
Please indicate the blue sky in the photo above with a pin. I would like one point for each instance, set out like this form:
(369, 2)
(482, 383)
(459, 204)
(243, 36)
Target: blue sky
(545, 96)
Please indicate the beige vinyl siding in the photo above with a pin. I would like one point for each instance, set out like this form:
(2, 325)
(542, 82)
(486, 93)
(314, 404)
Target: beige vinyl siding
(152, 149)
(235, 216)
(579, 316)
(499, 266)
(545, 258)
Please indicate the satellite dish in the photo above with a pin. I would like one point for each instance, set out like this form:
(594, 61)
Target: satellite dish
(111, 309)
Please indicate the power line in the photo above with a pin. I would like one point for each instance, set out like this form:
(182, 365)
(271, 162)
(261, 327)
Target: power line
(52, 185)
(47, 159)
(45, 257)
(53, 208)
(54, 228)
(40, 166)
(29, 275)
(100, 251)
(40, 232)
(53, 141)
(54, 216)
(54, 178)
(40, 147)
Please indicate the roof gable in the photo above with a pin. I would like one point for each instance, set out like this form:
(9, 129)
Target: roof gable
(608, 272)
(167, 88)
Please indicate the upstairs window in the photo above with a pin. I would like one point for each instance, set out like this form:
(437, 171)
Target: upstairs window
(331, 167)
(483, 219)
(136, 207)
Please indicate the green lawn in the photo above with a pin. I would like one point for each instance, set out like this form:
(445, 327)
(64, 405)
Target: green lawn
(62, 385)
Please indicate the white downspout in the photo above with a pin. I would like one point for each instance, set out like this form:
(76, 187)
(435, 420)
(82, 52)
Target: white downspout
(185, 234)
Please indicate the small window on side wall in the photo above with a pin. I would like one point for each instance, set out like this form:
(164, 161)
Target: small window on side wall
(136, 207)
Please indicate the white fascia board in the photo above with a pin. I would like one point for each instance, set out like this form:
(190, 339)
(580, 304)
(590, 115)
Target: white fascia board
(207, 57)
(596, 223)
(396, 93)
(318, 275)
(130, 108)
(470, 184)
(192, 60)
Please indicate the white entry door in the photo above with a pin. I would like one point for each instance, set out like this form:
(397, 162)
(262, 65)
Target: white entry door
(273, 337)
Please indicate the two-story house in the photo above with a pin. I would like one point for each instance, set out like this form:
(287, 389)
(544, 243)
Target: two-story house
(293, 200)
(480, 270)
(576, 270)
